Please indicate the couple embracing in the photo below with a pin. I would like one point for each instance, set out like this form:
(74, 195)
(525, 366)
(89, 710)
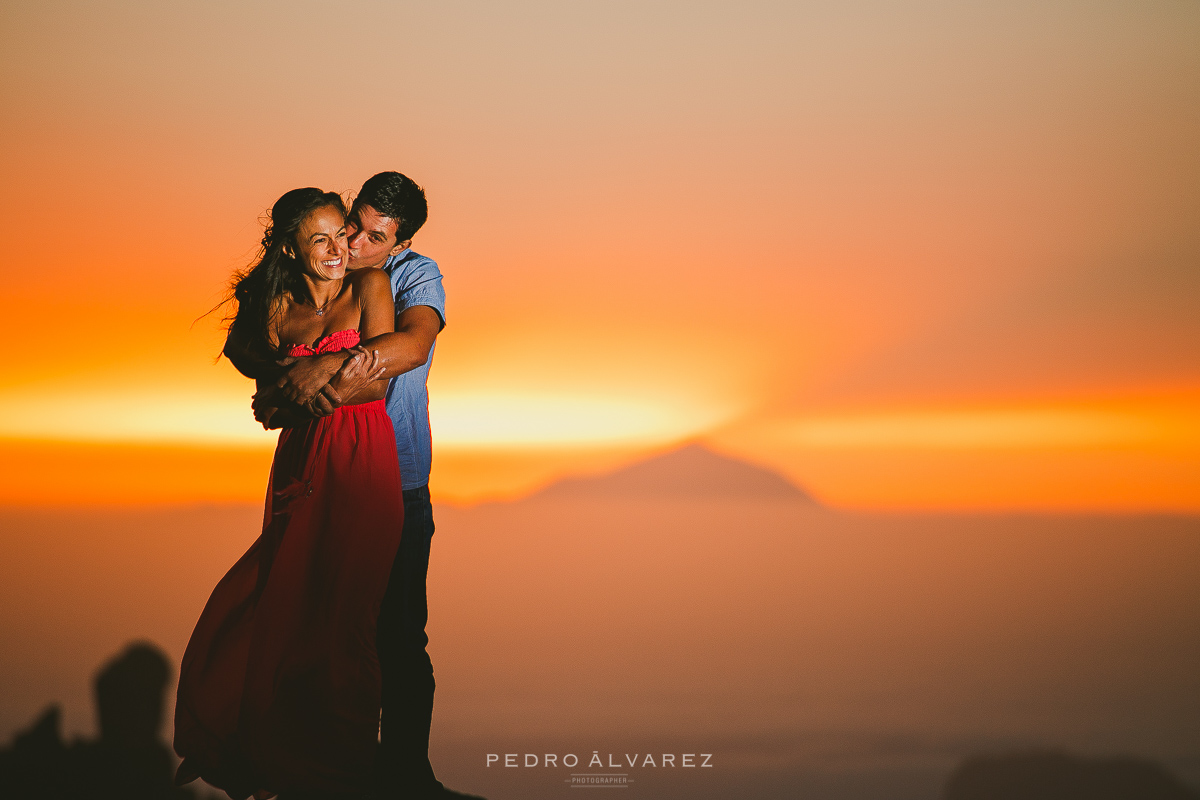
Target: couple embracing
(320, 626)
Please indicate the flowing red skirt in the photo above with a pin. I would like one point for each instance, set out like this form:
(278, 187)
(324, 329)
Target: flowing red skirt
(279, 689)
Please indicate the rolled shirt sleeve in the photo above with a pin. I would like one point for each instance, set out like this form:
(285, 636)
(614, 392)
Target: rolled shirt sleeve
(416, 281)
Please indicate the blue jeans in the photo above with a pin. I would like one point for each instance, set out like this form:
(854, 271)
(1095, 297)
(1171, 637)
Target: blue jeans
(403, 762)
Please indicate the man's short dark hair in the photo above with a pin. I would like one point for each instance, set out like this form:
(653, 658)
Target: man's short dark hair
(396, 196)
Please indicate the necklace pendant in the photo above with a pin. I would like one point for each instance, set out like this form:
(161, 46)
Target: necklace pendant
(320, 312)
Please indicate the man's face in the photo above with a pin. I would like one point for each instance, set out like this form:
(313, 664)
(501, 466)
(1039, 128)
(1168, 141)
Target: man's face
(372, 237)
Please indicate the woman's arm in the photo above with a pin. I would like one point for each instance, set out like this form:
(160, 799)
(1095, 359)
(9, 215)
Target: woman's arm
(267, 406)
(245, 360)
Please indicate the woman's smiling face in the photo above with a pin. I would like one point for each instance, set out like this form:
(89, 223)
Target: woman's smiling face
(321, 244)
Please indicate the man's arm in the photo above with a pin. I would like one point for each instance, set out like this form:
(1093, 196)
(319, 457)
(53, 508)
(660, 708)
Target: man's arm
(401, 350)
(408, 347)
(359, 380)
(307, 375)
(394, 353)
(418, 292)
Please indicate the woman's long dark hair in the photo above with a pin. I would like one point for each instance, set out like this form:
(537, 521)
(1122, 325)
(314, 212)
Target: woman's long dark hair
(257, 291)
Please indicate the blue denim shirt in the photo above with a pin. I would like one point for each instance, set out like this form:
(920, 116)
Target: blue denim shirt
(416, 281)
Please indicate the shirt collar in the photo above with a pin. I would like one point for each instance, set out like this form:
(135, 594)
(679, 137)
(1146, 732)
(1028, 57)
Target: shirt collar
(396, 259)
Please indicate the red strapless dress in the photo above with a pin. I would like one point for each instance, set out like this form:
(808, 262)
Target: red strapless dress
(279, 690)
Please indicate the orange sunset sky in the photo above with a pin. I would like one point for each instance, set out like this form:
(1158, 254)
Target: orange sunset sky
(921, 255)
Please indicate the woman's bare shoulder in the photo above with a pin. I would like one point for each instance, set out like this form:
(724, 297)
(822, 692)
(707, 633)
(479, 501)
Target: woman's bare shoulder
(369, 279)
(371, 288)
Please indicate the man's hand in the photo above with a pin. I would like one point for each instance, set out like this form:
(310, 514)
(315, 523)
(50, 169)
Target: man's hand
(263, 411)
(359, 371)
(354, 374)
(264, 403)
(325, 402)
(306, 376)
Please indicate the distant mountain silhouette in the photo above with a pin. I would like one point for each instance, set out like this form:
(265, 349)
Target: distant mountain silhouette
(692, 471)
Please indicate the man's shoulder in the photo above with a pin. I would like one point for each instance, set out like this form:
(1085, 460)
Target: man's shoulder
(417, 281)
(411, 265)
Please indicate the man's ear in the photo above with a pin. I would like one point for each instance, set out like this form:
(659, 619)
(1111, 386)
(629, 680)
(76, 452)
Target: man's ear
(400, 247)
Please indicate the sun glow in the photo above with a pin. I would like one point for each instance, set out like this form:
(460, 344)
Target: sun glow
(136, 417)
(484, 420)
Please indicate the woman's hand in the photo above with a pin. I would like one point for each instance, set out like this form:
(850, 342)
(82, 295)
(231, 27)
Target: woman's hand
(305, 377)
(325, 402)
(357, 374)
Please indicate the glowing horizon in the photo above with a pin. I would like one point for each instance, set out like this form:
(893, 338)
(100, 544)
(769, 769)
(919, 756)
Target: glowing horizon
(1119, 455)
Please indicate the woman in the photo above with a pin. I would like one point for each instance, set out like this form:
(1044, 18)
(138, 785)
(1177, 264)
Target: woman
(279, 689)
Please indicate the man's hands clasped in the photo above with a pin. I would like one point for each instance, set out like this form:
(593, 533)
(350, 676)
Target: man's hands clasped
(316, 385)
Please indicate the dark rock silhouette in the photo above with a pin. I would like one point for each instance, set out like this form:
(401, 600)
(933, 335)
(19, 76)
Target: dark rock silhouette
(37, 763)
(128, 762)
(129, 696)
(1058, 776)
(691, 472)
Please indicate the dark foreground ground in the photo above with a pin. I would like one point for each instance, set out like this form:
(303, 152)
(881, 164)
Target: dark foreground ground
(814, 654)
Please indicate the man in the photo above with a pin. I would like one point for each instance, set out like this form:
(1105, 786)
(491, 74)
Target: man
(386, 214)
